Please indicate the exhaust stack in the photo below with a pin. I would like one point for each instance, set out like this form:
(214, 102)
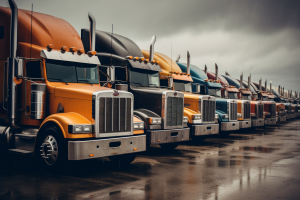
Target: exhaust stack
(205, 69)
(216, 70)
(227, 74)
(92, 31)
(271, 87)
(283, 92)
(249, 81)
(279, 90)
(259, 84)
(11, 111)
(241, 80)
(266, 85)
(188, 69)
(153, 40)
(178, 58)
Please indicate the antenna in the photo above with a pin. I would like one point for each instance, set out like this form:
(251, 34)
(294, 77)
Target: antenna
(112, 34)
(171, 56)
(31, 30)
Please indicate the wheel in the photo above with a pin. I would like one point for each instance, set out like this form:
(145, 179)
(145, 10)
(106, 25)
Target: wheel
(124, 159)
(49, 149)
(169, 146)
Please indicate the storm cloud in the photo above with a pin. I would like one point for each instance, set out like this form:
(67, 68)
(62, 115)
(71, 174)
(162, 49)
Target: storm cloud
(249, 36)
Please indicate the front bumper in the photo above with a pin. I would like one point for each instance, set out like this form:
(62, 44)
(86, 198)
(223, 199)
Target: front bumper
(80, 150)
(168, 136)
(281, 118)
(230, 126)
(204, 129)
(270, 121)
(245, 124)
(257, 122)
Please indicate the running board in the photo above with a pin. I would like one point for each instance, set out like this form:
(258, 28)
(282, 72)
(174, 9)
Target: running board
(26, 136)
(20, 152)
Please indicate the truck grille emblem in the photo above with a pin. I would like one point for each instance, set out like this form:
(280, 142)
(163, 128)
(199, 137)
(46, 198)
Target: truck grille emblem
(116, 93)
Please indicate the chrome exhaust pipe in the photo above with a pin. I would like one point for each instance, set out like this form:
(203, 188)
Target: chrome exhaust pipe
(271, 87)
(151, 56)
(205, 69)
(216, 70)
(241, 80)
(188, 69)
(259, 84)
(249, 81)
(11, 111)
(178, 58)
(279, 90)
(92, 31)
(266, 82)
(283, 92)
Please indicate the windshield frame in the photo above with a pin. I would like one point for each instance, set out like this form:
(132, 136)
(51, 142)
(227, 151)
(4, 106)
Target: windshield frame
(77, 66)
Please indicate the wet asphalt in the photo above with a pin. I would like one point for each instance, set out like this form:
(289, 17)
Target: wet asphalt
(255, 164)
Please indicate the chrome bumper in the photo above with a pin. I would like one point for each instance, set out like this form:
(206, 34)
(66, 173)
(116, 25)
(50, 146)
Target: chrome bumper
(245, 124)
(204, 129)
(281, 118)
(270, 121)
(230, 126)
(169, 136)
(257, 122)
(80, 150)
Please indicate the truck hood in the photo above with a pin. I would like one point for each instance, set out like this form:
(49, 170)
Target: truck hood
(77, 91)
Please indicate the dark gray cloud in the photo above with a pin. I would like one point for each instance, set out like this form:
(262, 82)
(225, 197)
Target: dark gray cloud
(251, 36)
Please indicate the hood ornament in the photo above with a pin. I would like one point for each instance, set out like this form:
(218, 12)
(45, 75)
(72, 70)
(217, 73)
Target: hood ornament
(116, 93)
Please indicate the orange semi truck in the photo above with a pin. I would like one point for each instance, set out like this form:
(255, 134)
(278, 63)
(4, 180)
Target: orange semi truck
(52, 104)
(200, 109)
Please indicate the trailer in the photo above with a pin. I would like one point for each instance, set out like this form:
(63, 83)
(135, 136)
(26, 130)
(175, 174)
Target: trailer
(51, 96)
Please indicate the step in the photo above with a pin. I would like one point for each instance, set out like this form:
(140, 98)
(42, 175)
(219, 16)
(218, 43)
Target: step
(20, 151)
(25, 136)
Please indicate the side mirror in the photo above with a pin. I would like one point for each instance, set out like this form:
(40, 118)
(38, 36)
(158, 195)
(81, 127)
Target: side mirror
(111, 72)
(170, 83)
(18, 67)
(225, 94)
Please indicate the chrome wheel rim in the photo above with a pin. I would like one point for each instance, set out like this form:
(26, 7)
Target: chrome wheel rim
(49, 150)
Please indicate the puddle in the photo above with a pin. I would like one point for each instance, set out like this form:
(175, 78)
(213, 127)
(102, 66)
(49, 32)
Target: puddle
(259, 149)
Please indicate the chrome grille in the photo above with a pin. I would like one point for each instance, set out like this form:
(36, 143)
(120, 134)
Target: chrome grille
(273, 110)
(174, 111)
(114, 115)
(208, 113)
(259, 109)
(247, 111)
(233, 111)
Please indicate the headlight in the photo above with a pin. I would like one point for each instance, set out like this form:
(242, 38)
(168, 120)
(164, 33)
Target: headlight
(239, 115)
(185, 120)
(225, 116)
(197, 117)
(253, 114)
(276, 113)
(80, 128)
(154, 120)
(216, 116)
(138, 125)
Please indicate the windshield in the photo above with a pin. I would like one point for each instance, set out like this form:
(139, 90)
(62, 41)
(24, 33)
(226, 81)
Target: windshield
(265, 99)
(246, 97)
(181, 86)
(144, 79)
(232, 95)
(71, 72)
(271, 99)
(214, 92)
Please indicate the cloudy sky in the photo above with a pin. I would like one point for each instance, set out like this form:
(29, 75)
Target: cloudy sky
(260, 37)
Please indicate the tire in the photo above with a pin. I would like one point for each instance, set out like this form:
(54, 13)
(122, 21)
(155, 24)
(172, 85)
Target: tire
(50, 150)
(169, 146)
(124, 159)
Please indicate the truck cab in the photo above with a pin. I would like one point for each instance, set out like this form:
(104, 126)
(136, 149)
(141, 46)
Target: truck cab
(199, 109)
(124, 67)
(51, 99)
(225, 108)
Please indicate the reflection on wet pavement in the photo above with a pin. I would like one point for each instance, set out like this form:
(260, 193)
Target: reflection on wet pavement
(245, 165)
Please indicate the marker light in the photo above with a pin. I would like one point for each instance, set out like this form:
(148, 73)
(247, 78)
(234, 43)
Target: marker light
(135, 58)
(153, 61)
(50, 47)
(64, 49)
(73, 49)
(141, 59)
(92, 53)
(146, 60)
(80, 51)
(129, 57)
(157, 62)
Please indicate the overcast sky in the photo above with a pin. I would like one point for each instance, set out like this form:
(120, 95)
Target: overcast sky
(260, 37)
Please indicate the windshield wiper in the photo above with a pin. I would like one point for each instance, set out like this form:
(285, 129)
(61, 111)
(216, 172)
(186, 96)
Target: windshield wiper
(85, 80)
(59, 79)
(136, 83)
(153, 85)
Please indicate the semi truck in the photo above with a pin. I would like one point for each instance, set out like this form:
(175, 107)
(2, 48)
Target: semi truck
(231, 92)
(200, 109)
(124, 67)
(51, 99)
(225, 108)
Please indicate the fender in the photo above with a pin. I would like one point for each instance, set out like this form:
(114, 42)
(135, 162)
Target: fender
(64, 119)
(220, 114)
(144, 115)
(189, 113)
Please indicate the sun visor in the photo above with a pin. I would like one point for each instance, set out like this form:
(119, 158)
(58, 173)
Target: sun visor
(246, 92)
(143, 65)
(232, 89)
